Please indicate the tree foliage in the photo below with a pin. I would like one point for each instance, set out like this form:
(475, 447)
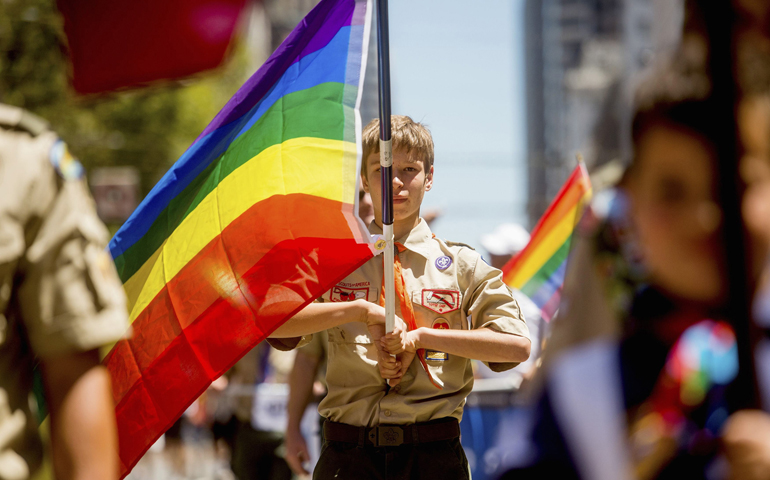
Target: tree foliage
(148, 128)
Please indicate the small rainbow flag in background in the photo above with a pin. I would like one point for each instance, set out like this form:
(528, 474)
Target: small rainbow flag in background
(538, 270)
(252, 223)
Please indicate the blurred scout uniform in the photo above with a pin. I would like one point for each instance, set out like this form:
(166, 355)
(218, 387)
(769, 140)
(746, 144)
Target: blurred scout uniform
(59, 292)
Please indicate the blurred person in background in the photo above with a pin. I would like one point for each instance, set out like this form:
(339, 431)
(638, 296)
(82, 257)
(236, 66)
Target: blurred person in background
(504, 243)
(60, 301)
(246, 422)
(307, 381)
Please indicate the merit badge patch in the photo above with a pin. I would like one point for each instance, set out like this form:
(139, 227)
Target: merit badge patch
(443, 262)
(433, 355)
(440, 324)
(436, 356)
(346, 294)
(441, 301)
(65, 164)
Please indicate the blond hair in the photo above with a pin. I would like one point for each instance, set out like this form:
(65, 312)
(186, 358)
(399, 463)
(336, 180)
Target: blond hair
(407, 135)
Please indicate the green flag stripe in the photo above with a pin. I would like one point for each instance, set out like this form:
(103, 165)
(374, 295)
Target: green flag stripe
(547, 270)
(315, 112)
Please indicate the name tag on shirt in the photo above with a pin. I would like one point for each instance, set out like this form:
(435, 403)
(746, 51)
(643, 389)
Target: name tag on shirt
(435, 356)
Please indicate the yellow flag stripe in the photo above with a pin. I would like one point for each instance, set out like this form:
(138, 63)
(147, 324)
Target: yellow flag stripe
(313, 166)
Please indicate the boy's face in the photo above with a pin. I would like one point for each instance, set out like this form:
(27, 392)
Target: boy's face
(410, 182)
(676, 215)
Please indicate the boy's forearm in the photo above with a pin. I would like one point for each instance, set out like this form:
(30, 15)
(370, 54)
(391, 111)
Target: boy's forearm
(317, 317)
(482, 344)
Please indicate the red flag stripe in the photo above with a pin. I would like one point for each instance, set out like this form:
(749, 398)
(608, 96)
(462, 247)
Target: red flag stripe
(193, 323)
(209, 275)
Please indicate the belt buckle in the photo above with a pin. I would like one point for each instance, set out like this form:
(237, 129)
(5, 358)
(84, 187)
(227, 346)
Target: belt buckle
(390, 436)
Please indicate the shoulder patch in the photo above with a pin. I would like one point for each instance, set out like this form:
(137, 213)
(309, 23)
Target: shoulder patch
(67, 166)
(458, 244)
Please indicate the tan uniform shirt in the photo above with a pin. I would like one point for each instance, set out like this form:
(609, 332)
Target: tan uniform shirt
(59, 291)
(450, 287)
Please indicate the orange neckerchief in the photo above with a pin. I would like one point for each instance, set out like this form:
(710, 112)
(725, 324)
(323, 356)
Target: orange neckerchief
(407, 311)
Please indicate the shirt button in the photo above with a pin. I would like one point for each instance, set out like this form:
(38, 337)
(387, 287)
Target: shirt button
(387, 413)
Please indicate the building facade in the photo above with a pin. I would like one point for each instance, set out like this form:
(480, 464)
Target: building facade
(583, 59)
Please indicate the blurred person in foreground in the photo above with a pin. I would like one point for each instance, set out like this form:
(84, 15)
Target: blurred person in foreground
(504, 243)
(60, 301)
(649, 347)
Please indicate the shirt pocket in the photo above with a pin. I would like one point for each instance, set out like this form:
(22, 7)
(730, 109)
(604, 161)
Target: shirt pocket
(354, 332)
(350, 333)
(438, 308)
(351, 340)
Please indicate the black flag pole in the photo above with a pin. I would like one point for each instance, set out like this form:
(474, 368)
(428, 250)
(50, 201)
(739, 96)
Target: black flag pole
(386, 161)
(720, 19)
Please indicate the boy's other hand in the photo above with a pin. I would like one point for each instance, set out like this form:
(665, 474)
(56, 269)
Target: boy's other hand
(402, 344)
(391, 368)
(296, 451)
(399, 341)
(374, 317)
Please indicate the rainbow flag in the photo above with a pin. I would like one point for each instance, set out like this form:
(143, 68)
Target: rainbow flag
(538, 270)
(253, 222)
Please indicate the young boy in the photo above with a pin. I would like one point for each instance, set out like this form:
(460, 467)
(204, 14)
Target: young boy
(462, 309)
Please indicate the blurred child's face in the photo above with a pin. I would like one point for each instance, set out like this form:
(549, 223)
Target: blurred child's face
(410, 182)
(675, 213)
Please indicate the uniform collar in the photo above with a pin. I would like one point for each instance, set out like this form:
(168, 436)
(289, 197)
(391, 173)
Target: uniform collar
(417, 240)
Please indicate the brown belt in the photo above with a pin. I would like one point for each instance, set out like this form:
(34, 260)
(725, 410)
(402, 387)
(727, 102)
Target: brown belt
(392, 435)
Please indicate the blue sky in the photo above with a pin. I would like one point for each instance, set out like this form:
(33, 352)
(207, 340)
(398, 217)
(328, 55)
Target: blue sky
(458, 66)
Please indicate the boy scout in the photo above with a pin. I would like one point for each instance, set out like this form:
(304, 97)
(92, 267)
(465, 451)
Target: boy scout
(462, 309)
(60, 300)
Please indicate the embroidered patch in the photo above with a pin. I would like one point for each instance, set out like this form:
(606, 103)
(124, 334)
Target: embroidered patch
(441, 301)
(443, 262)
(440, 324)
(65, 164)
(436, 356)
(346, 294)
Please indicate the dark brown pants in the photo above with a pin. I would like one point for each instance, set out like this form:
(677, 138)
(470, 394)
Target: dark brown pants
(443, 459)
